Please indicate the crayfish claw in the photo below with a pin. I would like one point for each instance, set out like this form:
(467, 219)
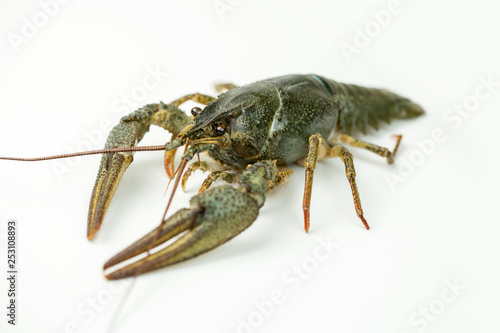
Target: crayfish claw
(111, 170)
(178, 223)
(214, 217)
(128, 133)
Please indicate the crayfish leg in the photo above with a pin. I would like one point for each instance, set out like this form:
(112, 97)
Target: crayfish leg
(196, 97)
(319, 149)
(346, 157)
(228, 177)
(382, 151)
(282, 176)
(199, 165)
(221, 87)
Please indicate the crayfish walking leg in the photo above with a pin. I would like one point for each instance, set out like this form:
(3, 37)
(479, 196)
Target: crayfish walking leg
(319, 149)
(382, 151)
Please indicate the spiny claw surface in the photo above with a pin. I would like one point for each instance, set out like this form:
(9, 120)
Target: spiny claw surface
(214, 217)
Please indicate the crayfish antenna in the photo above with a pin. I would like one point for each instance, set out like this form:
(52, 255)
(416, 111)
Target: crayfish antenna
(85, 153)
(180, 171)
(114, 163)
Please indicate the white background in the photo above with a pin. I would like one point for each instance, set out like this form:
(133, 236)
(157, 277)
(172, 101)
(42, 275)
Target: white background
(436, 225)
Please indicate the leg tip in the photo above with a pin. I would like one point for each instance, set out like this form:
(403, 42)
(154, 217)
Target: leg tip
(307, 223)
(398, 138)
(364, 222)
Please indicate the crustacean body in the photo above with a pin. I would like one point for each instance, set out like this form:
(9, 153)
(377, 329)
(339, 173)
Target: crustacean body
(253, 131)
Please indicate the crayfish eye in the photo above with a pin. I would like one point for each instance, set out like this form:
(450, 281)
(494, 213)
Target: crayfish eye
(196, 111)
(220, 128)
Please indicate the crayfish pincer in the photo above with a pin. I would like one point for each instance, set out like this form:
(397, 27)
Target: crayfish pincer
(214, 217)
(253, 132)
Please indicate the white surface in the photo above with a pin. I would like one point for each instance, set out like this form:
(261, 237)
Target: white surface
(436, 226)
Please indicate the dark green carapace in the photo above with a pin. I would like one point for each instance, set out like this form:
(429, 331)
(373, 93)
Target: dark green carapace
(274, 119)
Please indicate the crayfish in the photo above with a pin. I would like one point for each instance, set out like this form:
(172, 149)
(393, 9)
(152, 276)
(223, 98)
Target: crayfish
(253, 132)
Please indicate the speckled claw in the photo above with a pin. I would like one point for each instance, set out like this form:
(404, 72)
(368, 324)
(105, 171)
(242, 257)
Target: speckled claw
(128, 133)
(109, 175)
(214, 217)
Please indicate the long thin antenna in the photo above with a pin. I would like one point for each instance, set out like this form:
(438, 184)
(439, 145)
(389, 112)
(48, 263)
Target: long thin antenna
(83, 153)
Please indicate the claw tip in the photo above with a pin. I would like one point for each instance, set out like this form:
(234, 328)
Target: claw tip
(91, 233)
